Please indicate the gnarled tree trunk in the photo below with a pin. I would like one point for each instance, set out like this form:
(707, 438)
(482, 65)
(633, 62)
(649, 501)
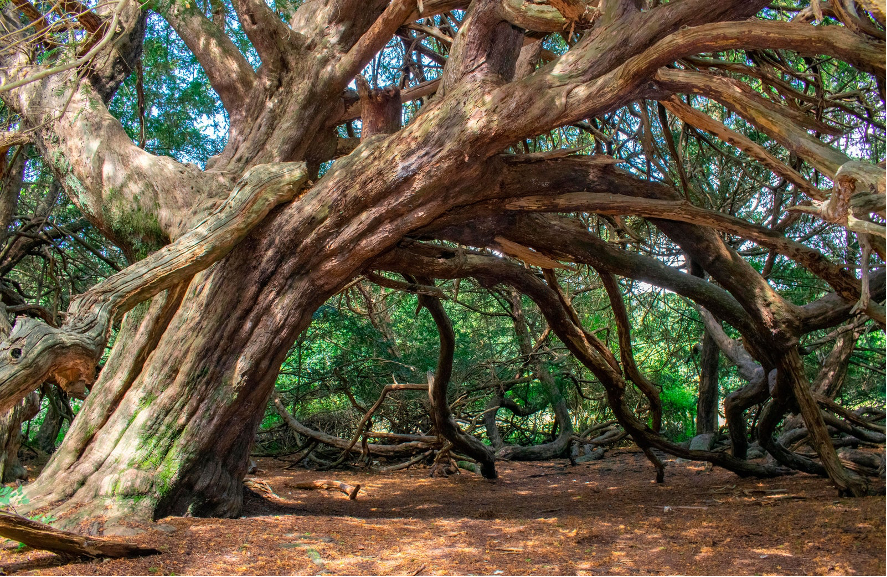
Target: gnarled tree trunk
(11, 438)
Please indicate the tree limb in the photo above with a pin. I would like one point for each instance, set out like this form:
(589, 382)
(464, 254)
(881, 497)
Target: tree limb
(65, 543)
(35, 351)
(437, 390)
(229, 73)
(702, 121)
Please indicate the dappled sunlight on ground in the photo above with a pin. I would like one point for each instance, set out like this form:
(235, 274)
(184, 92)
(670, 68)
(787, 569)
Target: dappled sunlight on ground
(539, 518)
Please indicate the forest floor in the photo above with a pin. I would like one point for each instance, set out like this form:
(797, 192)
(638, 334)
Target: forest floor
(604, 517)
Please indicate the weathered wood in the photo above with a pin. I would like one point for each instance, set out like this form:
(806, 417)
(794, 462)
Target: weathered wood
(35, 352)
(11, 437)
(349, 490)
(42, 536)
(550, 15)
(380, 109)
(365, 419)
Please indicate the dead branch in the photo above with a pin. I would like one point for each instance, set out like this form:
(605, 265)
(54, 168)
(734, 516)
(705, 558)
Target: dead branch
(363, 422)
(349, 490)
(401, 449)
(64, 543)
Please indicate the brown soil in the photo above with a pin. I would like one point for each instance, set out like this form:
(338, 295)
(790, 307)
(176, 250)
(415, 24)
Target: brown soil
(606, 517)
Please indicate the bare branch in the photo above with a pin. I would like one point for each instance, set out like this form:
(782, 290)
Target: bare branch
(626, 351)
(270, 36)
(702, 121)
(372, 40)
(764, 114)
(682, 211)
(228, 71)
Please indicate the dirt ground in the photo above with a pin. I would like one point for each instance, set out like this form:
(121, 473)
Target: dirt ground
(605, 517)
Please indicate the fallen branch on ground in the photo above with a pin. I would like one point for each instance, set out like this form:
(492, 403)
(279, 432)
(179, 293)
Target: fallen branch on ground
(64, 543)
(350, 490)
(260, 487)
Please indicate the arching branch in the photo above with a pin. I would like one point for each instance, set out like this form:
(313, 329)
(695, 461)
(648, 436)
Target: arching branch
(229, 73)
(626, 351)
(565, 239)
(704, 122)
(682, 211)
(372, 41)
(765, 115)
(445, 264)
(35, 351)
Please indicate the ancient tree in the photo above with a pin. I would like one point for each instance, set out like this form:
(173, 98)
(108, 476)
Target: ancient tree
(229, 262)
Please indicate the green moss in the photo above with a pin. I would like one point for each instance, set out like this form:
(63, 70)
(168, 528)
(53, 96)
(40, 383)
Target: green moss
(166, 475)
(144, 403)
(131, 223)
(138, 312)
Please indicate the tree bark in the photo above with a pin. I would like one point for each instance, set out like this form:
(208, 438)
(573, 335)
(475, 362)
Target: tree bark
(11, 438)
(381, 109)
(707, 404)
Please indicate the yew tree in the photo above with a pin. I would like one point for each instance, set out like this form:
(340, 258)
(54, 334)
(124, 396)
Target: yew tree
(230, 261)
